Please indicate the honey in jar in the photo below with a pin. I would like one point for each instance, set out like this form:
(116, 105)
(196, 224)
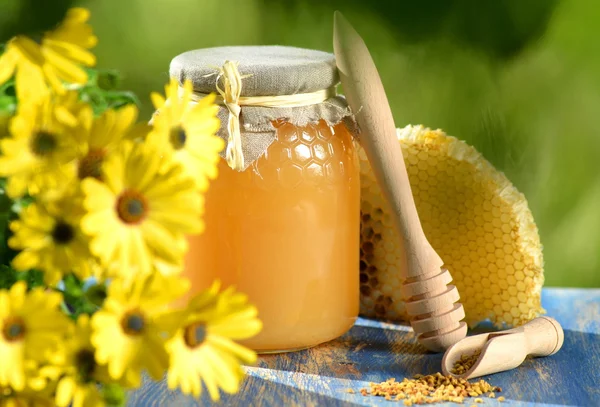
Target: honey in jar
(284, 227)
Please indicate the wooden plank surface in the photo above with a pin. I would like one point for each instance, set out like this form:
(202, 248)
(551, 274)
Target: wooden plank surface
(374, 351)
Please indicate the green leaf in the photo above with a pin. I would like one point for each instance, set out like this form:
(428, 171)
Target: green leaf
(8, 88)
(96, 294)
(92, 76)
(114, 395)
(108, 79)
(8, 276)
(73, 286)
(34, 278)
(76, 298)
(21, 203)
(5, 218)
(8, 105)
(121, 98)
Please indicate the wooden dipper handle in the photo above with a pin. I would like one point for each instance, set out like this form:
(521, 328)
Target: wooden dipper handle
(544, 336)
(429, 300)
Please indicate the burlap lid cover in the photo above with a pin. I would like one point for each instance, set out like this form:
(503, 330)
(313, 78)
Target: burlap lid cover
(267, 71)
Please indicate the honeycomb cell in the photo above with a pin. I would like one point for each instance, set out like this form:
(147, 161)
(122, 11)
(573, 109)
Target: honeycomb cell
(308, 136)
(523, 308)
(320, 152)
(289, 137)
(314, 171)
(285, 154)
(302, 153)
(291, 175)
(473, 217)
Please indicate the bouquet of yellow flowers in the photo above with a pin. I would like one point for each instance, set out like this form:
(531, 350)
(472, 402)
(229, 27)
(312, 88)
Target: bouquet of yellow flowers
(94, 213)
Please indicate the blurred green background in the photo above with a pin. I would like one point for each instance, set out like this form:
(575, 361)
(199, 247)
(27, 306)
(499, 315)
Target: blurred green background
(519, 80)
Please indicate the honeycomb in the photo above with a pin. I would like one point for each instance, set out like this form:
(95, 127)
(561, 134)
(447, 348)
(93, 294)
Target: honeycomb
(315, 154)
(473, 217)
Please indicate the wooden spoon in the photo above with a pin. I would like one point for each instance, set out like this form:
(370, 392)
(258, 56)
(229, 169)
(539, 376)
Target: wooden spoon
(505, 350)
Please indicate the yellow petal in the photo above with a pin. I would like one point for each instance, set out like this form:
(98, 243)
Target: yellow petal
(30, 83)
(102, 133)
(244, 354)
(65, 116)
(209, 380)
(138, 131)
(26, 260)
(157, 100)
(139, 251)
(65, 69)
(226, 370)
(29, 49)
(65, 391)
(126, 117)
(159, 239)
(71, 51)
(8, 62)
(77, 15)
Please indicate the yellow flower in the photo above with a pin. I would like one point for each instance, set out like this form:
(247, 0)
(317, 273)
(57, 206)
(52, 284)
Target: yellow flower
(139, 215)
(76, 370)
(187, 131)
(38, 156)
(49, 236)
(31, 325)
(55, 58)
(28, 397)
(203, 349)
(130, 330)
(103, 136)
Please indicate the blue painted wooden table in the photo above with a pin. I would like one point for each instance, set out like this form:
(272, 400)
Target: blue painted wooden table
(375, 351)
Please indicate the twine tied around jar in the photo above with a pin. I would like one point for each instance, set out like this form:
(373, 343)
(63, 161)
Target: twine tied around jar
(229, 87)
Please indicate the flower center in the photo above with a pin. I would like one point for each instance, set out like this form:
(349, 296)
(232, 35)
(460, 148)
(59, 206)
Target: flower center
(194, 334)
(43, 143)
(86, 365)
(177, 137)
(131, 206)
(14, 329)
(133, 323)
(91, 164)
(63, 233)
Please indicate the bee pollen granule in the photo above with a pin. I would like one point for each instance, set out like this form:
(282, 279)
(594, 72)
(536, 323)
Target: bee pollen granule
(430, 389)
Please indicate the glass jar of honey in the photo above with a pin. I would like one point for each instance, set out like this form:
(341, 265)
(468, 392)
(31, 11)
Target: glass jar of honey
(283, 225)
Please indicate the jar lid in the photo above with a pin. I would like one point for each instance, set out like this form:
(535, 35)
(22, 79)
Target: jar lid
(274, 70)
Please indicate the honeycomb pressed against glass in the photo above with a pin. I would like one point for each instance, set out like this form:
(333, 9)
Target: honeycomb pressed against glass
(286, 232)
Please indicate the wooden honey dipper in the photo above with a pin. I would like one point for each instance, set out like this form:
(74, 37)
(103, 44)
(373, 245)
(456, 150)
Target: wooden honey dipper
(430, 302)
